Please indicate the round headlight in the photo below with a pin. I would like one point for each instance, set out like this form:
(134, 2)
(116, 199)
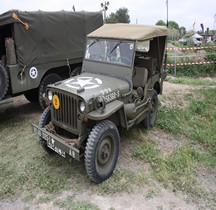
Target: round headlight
(50, 95)
(82, 106)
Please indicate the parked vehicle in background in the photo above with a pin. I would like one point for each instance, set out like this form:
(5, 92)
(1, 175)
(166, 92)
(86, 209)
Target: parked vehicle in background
(183, 40)
(122, 75)
(39, 48)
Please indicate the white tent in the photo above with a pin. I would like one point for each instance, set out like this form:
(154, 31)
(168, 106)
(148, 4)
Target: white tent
(197, 36)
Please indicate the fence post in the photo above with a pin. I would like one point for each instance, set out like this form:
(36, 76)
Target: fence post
(175, 52)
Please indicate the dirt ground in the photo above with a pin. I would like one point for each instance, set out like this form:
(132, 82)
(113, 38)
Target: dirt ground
(162, 199)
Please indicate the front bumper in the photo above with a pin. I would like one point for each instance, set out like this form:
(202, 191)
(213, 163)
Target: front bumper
(56, 143)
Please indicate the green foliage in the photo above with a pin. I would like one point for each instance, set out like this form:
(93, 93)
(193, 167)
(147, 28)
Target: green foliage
(120, 16)
(182, 31)
(173, 34)
(204, 70)
(160, 23)
(173, 25)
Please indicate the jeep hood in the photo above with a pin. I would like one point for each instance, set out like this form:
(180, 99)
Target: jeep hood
(91, 85)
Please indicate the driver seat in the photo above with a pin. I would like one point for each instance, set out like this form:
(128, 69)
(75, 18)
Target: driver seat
(140, 78)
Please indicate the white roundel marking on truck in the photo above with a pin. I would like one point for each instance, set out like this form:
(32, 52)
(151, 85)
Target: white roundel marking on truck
(83, 82)
(33, 72)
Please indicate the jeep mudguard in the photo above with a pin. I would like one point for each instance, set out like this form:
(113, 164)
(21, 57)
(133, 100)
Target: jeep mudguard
(109, 109)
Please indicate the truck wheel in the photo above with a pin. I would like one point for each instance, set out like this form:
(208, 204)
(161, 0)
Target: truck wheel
(4, 82)
(151, 117)
(32, 95)
(76, 71)
(102, 150)
(48, 79)
(44, 120)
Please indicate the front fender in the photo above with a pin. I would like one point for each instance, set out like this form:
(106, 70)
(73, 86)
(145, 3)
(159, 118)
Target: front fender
(109, 110)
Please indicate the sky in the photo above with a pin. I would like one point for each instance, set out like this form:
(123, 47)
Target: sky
(184, 12)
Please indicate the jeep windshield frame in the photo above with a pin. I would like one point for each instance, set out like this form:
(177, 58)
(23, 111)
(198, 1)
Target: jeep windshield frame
(110, 51)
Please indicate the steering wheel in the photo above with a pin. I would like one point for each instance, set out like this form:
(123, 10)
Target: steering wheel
(125, 60)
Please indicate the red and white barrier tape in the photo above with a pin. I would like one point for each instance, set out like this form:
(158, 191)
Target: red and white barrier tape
(189, 48)
(191, 63)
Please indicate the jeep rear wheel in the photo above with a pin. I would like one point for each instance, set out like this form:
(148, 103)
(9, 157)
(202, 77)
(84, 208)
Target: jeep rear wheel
(47, 80)
(4, 82)
(44, 120)
(151, 117)
(102, 150)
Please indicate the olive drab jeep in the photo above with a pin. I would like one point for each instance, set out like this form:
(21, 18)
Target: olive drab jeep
(39, 48)
(118, 87)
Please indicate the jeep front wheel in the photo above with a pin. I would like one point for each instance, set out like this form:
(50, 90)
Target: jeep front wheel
(44, 120)
(102, 150)
(151, 117)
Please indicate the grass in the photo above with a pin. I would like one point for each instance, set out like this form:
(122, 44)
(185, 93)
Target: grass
(197, 123)
(123, 181)
(26, 168)
(175, 169)
(191, 81)
(69, 204)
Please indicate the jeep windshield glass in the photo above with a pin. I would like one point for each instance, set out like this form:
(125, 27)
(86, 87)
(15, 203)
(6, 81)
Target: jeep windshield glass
(110, 51)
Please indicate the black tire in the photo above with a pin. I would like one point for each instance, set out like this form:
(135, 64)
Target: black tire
(76, 71)
(48, 79)
(44, 120)
(102, 150)
(151, 117)
(4, 82)
(32, 95)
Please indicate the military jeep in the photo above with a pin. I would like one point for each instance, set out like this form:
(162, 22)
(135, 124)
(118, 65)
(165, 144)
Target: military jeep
(118, 87)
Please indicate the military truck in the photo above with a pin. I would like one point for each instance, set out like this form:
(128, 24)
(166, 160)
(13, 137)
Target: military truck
(118, 87)
(38, 48)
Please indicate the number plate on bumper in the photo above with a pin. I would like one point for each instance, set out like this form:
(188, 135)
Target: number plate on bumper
(56, 143)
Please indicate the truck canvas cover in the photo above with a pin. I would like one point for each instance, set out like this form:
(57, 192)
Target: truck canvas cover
(51, 36)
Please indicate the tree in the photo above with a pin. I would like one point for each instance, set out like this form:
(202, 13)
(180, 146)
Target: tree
(173, 24)
(160, 23)
(182, 31)
(120, 16)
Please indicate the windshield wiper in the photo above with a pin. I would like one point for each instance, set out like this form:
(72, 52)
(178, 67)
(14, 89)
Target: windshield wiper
(118, 43)
(96, 40)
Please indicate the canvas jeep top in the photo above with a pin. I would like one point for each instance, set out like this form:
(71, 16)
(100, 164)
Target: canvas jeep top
(121, 78)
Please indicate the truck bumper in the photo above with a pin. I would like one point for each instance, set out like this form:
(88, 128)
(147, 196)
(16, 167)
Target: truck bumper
(56, 143)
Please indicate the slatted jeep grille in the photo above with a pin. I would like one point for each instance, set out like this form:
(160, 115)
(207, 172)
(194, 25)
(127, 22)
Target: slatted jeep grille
(66, 115)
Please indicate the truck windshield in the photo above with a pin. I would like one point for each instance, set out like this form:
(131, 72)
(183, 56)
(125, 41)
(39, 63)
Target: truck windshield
(110, 51)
